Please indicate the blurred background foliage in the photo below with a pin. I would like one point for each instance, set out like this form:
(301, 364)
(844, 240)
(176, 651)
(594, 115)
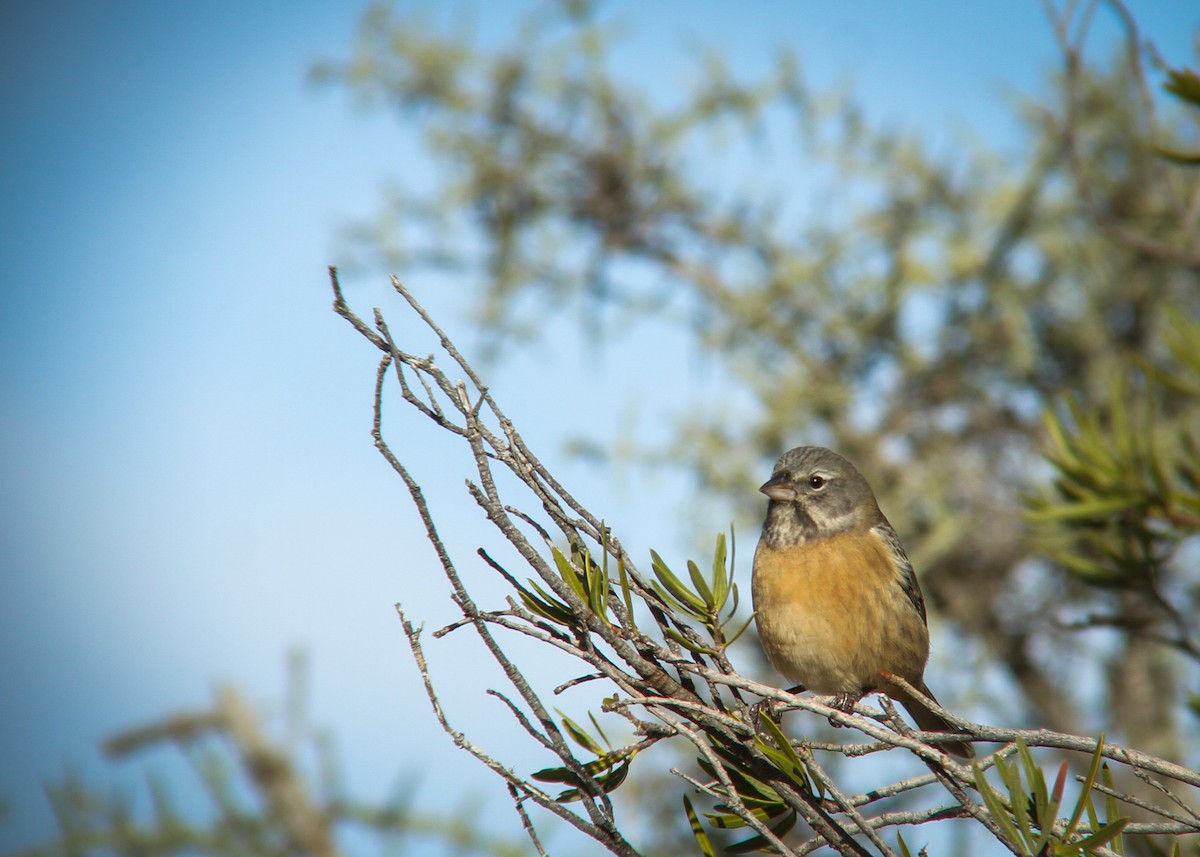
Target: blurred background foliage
(1007, 342)
(920, 308)
(231, 780)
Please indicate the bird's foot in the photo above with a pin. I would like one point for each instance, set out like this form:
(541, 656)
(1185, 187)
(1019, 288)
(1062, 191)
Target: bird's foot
(770, 707)
(764, 709)
(845, 702)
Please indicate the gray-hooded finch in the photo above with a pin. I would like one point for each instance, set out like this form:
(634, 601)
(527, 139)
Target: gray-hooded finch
(836, 600)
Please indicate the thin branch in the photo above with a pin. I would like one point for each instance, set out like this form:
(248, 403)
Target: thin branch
(827, 784)
(523, 786)
(596, 800)
(519, 804)
(1133, 800)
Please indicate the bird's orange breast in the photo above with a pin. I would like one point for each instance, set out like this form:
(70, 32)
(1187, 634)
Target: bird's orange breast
(832, 615)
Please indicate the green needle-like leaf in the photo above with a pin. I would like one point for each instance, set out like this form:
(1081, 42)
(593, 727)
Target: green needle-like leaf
(701, 584)
(758, 843)
(1103, 836)
(720, 579)
(996, 807)
(1089, 781)
(706, 846)
(690, 601)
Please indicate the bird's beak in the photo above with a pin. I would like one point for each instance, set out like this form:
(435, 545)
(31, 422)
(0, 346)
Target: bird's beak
(779, 488)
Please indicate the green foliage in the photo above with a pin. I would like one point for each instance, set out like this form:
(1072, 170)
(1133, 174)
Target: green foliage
(240, 792)
(1028, 813)
(587, 579)
(608, 770)
(712, 602)
(1126, 488)
(1184, 84)
(706, 846)
(916, 307)
(762, 799)
(705, 602)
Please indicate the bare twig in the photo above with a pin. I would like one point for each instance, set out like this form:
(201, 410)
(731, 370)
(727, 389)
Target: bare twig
(521, 785)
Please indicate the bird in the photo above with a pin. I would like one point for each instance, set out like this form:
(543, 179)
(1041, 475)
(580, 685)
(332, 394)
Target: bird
(836, 601)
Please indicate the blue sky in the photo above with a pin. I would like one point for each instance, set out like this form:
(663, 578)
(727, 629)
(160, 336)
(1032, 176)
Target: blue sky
(187, 484)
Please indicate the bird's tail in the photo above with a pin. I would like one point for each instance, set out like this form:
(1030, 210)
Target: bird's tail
(929, 721)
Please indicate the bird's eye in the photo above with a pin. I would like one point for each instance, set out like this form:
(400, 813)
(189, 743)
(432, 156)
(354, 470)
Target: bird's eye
(816, 483)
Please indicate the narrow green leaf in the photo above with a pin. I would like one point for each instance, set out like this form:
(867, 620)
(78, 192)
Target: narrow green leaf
(1104, 835)
(688, 644)
(1046, 814)
(996, 808)
(765, 808)
(599, 730)
(555, 775)
(608, 771)
(1056, 431)
(626, 593)
(676, 587)
(669, 600)
(580, 737)
(1018, 802)
(1063, 454)
(778, 759)
(706, 846)
(784, 755)
(780, 739)
(741, 630)
(1056, 794)
(549, 607)
(569, 574)
(612, 781)
(597, 587)
(701, 584)
(749, 787)
(757, 843)
(1093, 818)
(728, 821)
(1184, 84)
(720, 580)
(1033, 774)
(1099, 507)
(1089, 781)
(733, 592)
(1112, 809)
(1122, 425)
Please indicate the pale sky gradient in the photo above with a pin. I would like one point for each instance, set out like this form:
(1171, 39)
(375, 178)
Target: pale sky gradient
(187, 483)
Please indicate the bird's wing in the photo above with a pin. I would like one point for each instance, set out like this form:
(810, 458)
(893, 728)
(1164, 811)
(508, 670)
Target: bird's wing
(905, 576)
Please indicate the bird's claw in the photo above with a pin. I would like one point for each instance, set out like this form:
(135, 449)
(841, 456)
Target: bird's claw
(845, 702)
(764, 708)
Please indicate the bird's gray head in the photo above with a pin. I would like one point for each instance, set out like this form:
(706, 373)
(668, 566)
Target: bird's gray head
(815, 493)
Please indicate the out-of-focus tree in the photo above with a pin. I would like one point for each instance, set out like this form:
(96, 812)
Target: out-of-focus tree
(246, 791)
(917, 311)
